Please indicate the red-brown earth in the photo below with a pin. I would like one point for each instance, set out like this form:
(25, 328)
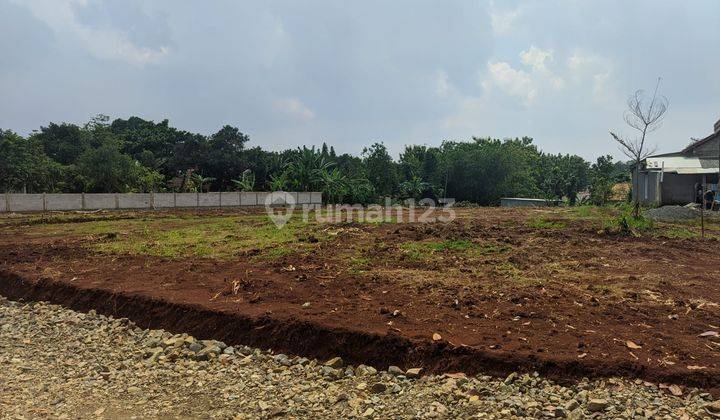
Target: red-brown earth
(494, 291)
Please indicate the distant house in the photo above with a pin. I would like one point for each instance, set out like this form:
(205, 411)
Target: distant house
(674, 178)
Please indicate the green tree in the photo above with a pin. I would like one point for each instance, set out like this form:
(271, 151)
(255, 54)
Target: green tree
(335, 186)
(202, 183)
(602, 179)
(24, 167)
(307, 169)
(279, 181)
(484, 170)
(562, 176)
(415, 188)
(107, 169)
(380, 169)
(224, 156)
(63, 143)
(246, 183)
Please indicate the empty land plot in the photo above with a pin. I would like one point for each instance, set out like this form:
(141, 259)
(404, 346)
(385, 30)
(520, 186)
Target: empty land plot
(496, 290)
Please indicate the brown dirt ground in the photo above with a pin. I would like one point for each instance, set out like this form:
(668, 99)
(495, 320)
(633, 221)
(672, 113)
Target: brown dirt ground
(568, 301)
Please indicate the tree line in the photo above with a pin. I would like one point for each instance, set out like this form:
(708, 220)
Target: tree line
(137, 155)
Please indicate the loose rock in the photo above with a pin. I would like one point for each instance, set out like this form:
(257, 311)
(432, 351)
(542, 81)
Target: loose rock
(102, 365)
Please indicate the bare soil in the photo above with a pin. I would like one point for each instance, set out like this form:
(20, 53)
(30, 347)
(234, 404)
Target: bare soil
(495, 291)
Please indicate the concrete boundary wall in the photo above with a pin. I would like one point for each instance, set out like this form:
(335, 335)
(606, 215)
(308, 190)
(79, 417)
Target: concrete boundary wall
(135, 201)
(164, 200)
(99, 201)
(186, 200)
(118, 201)
(63, 201)
(211, 199)
(229, 199)
(25, 202)
(249, 199)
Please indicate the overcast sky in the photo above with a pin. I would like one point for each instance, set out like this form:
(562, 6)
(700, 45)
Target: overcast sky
(353, 72)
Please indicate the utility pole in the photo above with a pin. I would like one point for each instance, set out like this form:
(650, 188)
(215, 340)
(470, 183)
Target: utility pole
(702, 209)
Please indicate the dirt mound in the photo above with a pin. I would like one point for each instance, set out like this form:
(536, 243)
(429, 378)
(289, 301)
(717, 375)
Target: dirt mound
(672, 213)
(306, 338)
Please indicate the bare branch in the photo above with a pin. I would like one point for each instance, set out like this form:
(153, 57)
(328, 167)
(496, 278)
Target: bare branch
(649, 152)
(644, 115)
(627, 148)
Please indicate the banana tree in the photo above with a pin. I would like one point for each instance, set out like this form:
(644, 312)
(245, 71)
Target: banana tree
(279, 182)
(414, 187)
(200, 181)
(335, 185)
(308, 168)
(247, 182)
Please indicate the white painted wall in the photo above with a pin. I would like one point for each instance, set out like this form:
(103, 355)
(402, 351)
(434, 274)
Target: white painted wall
(59, 202)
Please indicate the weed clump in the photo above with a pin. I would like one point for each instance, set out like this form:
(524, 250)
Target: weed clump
(628, 225)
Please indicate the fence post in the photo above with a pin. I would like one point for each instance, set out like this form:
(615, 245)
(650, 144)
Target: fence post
(220, 199)
(152, 200)
(197, 199)
(44, 203)
(117, 201)
(82, 200)
(7, 202)
(174, 199)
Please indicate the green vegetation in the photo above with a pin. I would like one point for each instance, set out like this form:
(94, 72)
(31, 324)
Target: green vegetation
(626, 223)
(174, 237)
(588, 212)
(678, 232)
(428, 251)
(541, 223)
(137, 155)
(605, 173)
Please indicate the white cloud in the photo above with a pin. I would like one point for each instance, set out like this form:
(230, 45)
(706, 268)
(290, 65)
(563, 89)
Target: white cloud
(536, 57)
(582, 71)
(103, 43)
(514, 82)
(502, 21)
(521, 83)
(294, 108)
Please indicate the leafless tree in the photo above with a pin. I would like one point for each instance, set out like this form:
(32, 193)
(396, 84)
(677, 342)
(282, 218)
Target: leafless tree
(644, 114)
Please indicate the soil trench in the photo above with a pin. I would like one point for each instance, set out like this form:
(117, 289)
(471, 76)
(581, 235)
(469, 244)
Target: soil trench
(309, 339)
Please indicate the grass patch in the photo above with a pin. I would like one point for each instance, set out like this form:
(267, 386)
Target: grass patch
(358, 265)
(416, 251)
(541, 223)
(424, 251)
(678, 232)
(214, 238)
(628, 225)
(593, 212)
(219, 237)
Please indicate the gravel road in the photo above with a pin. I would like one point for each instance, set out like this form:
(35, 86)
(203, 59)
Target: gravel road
(56, 362)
